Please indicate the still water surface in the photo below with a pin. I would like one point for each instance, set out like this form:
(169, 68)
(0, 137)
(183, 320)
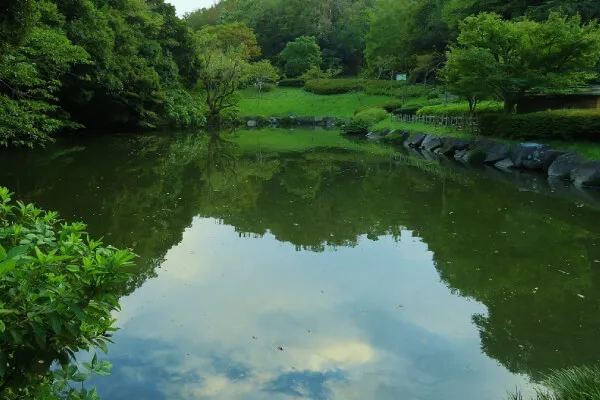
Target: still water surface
(325, 274)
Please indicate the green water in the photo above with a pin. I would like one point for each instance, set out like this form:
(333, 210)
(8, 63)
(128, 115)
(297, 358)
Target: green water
(326, 273)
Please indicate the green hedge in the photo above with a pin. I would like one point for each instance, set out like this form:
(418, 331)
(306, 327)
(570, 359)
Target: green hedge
(462, 108)
(334, 86)
(292, 82)
(371, 86)
(558, 124)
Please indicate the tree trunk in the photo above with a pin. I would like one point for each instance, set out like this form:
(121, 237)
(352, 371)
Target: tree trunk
(510, 103)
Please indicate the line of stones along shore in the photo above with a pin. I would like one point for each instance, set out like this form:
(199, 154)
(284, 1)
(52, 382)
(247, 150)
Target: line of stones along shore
(558, 164)
(276, 122)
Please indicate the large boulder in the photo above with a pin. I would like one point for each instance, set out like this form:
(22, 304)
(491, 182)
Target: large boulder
(505, 164)
(496, 152)
(564, 164)
(431, 142)
(550, 156)
(252, 123)
(450, 145)
(587, 174)
(528, 155)
(416, 140)
(474, 156)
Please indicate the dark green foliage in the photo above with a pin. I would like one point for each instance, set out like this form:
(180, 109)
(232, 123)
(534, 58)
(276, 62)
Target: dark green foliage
(409, 110)
(65, 64)
(300, 55)
(355, 127)
(552, 125)
(461, 109)
(57, 293)
(291, 82)
(363, 120)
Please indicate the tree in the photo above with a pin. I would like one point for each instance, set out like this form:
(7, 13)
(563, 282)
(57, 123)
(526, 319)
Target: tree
(511, 58)
(236, 35)
(300, 55)
(468, 86)
(223, 71)
(261, 72)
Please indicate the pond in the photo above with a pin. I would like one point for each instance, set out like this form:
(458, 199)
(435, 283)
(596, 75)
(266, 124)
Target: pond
(341, 271)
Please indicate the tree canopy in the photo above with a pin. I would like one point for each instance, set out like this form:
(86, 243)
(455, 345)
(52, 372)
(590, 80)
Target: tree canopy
(510, 58)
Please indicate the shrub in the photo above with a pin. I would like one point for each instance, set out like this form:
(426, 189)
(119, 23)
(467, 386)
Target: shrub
(461, 109)
(554, 125)
(371, 116)
(291, 82)
(267, 87)
(355, 127)
(57, 293)
(391, 105)
(406, 110)
(434, 94)
(334, 86)
(388, 88)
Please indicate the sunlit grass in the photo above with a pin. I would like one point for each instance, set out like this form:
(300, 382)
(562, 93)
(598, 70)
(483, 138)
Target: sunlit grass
(297, 140)
(283, 101)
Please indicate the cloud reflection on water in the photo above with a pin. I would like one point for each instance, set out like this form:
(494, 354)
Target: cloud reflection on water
(370, 322)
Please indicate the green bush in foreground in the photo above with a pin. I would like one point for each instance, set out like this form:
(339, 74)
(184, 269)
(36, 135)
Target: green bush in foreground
(461, 109)
(553, 125)
(364, 120)
(57, 292)
(581, 383)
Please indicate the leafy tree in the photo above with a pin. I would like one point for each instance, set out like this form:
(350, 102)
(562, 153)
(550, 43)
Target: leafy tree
(261, 72)
(511, 58)
(300, 55)
(235, 35)
(30, 80)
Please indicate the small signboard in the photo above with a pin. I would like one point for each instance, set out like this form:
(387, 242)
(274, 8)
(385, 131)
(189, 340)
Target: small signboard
(401, 77)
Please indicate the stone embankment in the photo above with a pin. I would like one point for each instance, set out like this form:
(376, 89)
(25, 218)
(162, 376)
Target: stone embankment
(558, 164)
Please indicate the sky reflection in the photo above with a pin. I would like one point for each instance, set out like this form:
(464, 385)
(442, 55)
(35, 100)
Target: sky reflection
(232, 317)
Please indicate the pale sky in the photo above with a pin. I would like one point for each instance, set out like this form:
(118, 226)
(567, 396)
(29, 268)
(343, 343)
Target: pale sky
(184, 6)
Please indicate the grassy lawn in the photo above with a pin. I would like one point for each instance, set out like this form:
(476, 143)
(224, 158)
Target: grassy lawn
(283, 101)
(297, 140)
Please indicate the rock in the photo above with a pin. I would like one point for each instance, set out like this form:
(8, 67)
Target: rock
(383, 132)
(549, 156)
(474, 156)
(416, 139)
(497, 152)
(431, 142)
(274, 121)
(451, 145)
(328, 122)
(305, 121)
(528, 155)
(429, 155)
(564, 164)
(252, 123)
(505, 164)
(460, 154)
(587, 174)
(397, 137)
